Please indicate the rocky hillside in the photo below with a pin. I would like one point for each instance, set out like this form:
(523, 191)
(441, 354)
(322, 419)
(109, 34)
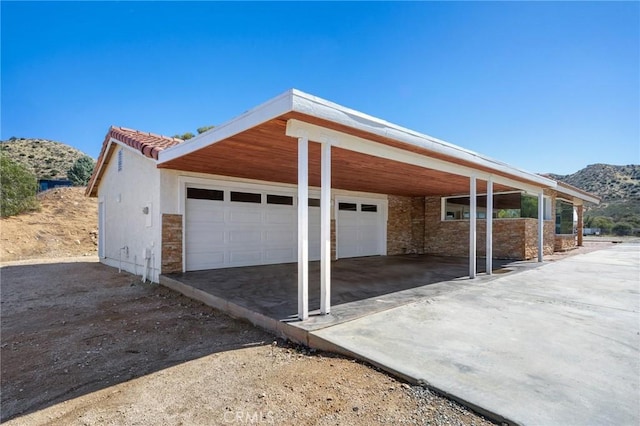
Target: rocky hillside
(617, 186)
(607, 181)
(46, 159)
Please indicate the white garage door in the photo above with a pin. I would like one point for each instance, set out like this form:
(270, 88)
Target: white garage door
(244, 227)
(361, 228)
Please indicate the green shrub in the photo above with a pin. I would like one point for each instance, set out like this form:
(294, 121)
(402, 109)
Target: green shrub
(18, 187)
(81, 171)
(622, 228)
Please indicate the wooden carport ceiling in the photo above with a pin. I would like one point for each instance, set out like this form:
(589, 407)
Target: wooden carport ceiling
(266, 153)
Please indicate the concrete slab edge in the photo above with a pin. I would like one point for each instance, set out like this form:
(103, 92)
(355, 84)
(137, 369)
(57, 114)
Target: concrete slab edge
(234, 310)
(309, 339)
(319, 343)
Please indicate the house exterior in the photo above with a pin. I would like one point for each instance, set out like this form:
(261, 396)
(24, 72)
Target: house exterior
(299, 178)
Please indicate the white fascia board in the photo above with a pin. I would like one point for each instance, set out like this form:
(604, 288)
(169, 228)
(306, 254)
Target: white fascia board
(255, 116)
(578, 196)
(297, 128)
(98, 168)
(317, 107)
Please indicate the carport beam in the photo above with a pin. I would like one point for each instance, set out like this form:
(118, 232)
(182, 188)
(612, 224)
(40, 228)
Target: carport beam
(472, 226)
(303, 228)
(489, 250)
(325, 229)
(540, 226)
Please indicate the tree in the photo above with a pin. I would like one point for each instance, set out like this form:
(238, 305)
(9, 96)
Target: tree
(622, 228)
(204, 129)
(184, 136)
(189, 135)
(18, 187)
(603, 223)
(81, 171)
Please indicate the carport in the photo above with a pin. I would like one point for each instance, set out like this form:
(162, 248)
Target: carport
(361, 286)
(305, 141)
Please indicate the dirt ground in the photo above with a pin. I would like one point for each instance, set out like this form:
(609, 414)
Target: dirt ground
(66, 225)
(82, 344)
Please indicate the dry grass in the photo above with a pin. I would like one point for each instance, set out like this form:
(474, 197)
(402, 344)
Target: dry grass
(66, 225)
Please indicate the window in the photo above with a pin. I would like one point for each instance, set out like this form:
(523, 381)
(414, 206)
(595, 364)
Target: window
(564, 217)
(246, 197)
(314, 202)
(368, 208)
(505, 205)
(284, 200)
(120, 160)
(529, 206)
(205, 194)
(352, 207)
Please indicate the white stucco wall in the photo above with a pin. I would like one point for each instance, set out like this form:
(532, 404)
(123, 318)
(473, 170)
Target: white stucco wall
(128, 232)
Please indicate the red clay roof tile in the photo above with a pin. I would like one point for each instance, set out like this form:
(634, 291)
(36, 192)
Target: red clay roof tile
(149, 145)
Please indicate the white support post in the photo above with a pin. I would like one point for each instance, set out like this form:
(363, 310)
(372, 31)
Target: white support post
(540, 226)
(303, 228)
(472, 227)
(325, 229)
(489, 250)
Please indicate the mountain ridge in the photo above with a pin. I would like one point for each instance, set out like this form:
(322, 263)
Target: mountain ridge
(45, 158)
(607, 181)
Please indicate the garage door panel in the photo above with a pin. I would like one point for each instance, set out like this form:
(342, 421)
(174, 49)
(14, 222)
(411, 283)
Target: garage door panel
(243, 236)
(244, 216)
(245, 257)
(280, 255)
(223, 233)
(207, 260)
(283, 236)
(281, 216)
(360, 232)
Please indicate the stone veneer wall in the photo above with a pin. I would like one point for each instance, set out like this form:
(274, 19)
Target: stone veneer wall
(531, 240)
(405, 225)
(171, 243)
(512, 238)
(399, 239)
(417, 224)
(565, 242)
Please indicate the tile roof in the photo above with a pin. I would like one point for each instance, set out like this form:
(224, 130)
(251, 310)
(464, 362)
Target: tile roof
(148, 144)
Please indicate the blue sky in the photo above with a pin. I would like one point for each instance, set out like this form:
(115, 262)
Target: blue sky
(545, 86)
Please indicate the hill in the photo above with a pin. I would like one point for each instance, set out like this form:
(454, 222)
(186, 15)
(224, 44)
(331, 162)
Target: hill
(65, 225)
(617, 186)
(607, 181)
(46, 159)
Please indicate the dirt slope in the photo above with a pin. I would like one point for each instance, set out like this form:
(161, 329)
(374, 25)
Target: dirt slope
(66, 225)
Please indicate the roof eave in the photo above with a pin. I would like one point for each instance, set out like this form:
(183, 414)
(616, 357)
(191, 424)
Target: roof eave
(304, 103)
(321, 108)
(262, 113)
(577, 194)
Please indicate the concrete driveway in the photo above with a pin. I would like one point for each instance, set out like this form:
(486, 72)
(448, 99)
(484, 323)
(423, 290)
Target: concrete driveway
(558, 344)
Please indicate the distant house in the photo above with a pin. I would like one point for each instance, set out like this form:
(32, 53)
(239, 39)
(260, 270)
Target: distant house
(45, 184)
(299, 178)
